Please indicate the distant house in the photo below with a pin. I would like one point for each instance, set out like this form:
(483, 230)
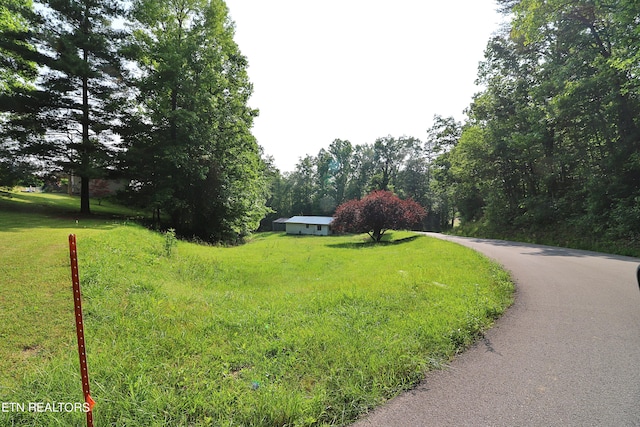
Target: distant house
(279, 224)
(97, 187)
(314, 225)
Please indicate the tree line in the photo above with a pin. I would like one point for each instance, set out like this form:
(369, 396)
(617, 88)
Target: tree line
(403, 165)
(550, 142)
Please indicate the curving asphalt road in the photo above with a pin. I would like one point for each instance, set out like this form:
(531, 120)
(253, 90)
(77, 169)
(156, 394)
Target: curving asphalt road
(567, 353)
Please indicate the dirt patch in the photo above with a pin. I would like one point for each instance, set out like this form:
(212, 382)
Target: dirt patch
(30, 351)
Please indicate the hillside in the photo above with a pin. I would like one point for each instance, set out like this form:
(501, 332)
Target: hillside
(284, 330)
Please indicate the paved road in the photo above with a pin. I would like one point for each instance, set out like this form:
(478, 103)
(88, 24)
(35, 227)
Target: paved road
(567, 353)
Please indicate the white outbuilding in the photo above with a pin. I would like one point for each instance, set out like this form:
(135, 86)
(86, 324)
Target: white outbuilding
(314, 225)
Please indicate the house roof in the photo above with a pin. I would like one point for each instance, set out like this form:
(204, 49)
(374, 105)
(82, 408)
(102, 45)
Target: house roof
(313, 220)
(281, 220)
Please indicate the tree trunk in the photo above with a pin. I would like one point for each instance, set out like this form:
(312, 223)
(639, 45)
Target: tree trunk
(86, 144)
(84, 195)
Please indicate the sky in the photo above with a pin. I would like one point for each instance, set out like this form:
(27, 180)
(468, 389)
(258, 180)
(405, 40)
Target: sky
(357, 69)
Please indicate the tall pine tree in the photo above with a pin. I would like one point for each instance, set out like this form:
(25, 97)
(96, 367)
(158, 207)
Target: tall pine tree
(82, 80)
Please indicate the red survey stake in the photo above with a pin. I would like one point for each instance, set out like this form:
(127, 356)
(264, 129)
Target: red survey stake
(77, 303)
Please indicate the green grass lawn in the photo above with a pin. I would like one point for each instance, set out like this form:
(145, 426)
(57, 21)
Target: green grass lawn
(281, 331)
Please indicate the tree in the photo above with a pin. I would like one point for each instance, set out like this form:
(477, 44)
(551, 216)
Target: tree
(443, 136)
(17, 53)
(303, 187)
(413, 181)
(389, 155)
(19, 98)
(188, 142)
(553, 138)
(16, 70)
(340, 168)
(82, 81)
(467, 172)
(376, 213)
(99, 188)
(362, 166)
(590, 54)
(324, 198)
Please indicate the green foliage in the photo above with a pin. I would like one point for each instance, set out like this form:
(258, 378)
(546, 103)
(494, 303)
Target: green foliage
(16, 70)
(187, 139)
(170, 242)
(321, 183)
(376, 213)
(552, 141)
(81, 85)
(284, 330)
(180, 107)
(389, 155)
(18, 73)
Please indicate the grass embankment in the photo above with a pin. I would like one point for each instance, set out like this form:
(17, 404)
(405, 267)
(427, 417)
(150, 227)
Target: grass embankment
(284, 330)
(565, 235)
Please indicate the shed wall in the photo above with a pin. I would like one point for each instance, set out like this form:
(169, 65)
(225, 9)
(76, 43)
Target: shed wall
(310, 229)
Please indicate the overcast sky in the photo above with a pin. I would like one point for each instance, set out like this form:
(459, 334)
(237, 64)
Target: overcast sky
(357, 69)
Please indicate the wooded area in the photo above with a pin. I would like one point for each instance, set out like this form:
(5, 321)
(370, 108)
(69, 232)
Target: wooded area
(152, 91)
(551, 141)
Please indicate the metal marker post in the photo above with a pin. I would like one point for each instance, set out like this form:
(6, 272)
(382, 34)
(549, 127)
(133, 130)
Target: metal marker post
(77, 303)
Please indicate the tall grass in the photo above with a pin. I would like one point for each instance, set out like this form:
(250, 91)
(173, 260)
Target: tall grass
(282, 331)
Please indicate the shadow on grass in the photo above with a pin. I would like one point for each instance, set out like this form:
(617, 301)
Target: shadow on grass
(369, 243)
(22, 211)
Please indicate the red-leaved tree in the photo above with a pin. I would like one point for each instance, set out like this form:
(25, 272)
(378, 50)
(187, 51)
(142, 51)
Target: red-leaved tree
(376, 213)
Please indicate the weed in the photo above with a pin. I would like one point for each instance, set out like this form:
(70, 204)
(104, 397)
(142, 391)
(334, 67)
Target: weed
(170, 242)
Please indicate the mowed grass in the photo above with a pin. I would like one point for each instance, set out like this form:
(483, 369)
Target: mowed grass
(281, 331)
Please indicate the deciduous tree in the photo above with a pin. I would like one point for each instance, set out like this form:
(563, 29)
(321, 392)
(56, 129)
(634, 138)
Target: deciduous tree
(189, 145)
(19, 97)
(552, 140)
(376, 213)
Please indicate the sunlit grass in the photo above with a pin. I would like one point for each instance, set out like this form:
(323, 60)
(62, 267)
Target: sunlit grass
(285, 330)
(59, 206)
